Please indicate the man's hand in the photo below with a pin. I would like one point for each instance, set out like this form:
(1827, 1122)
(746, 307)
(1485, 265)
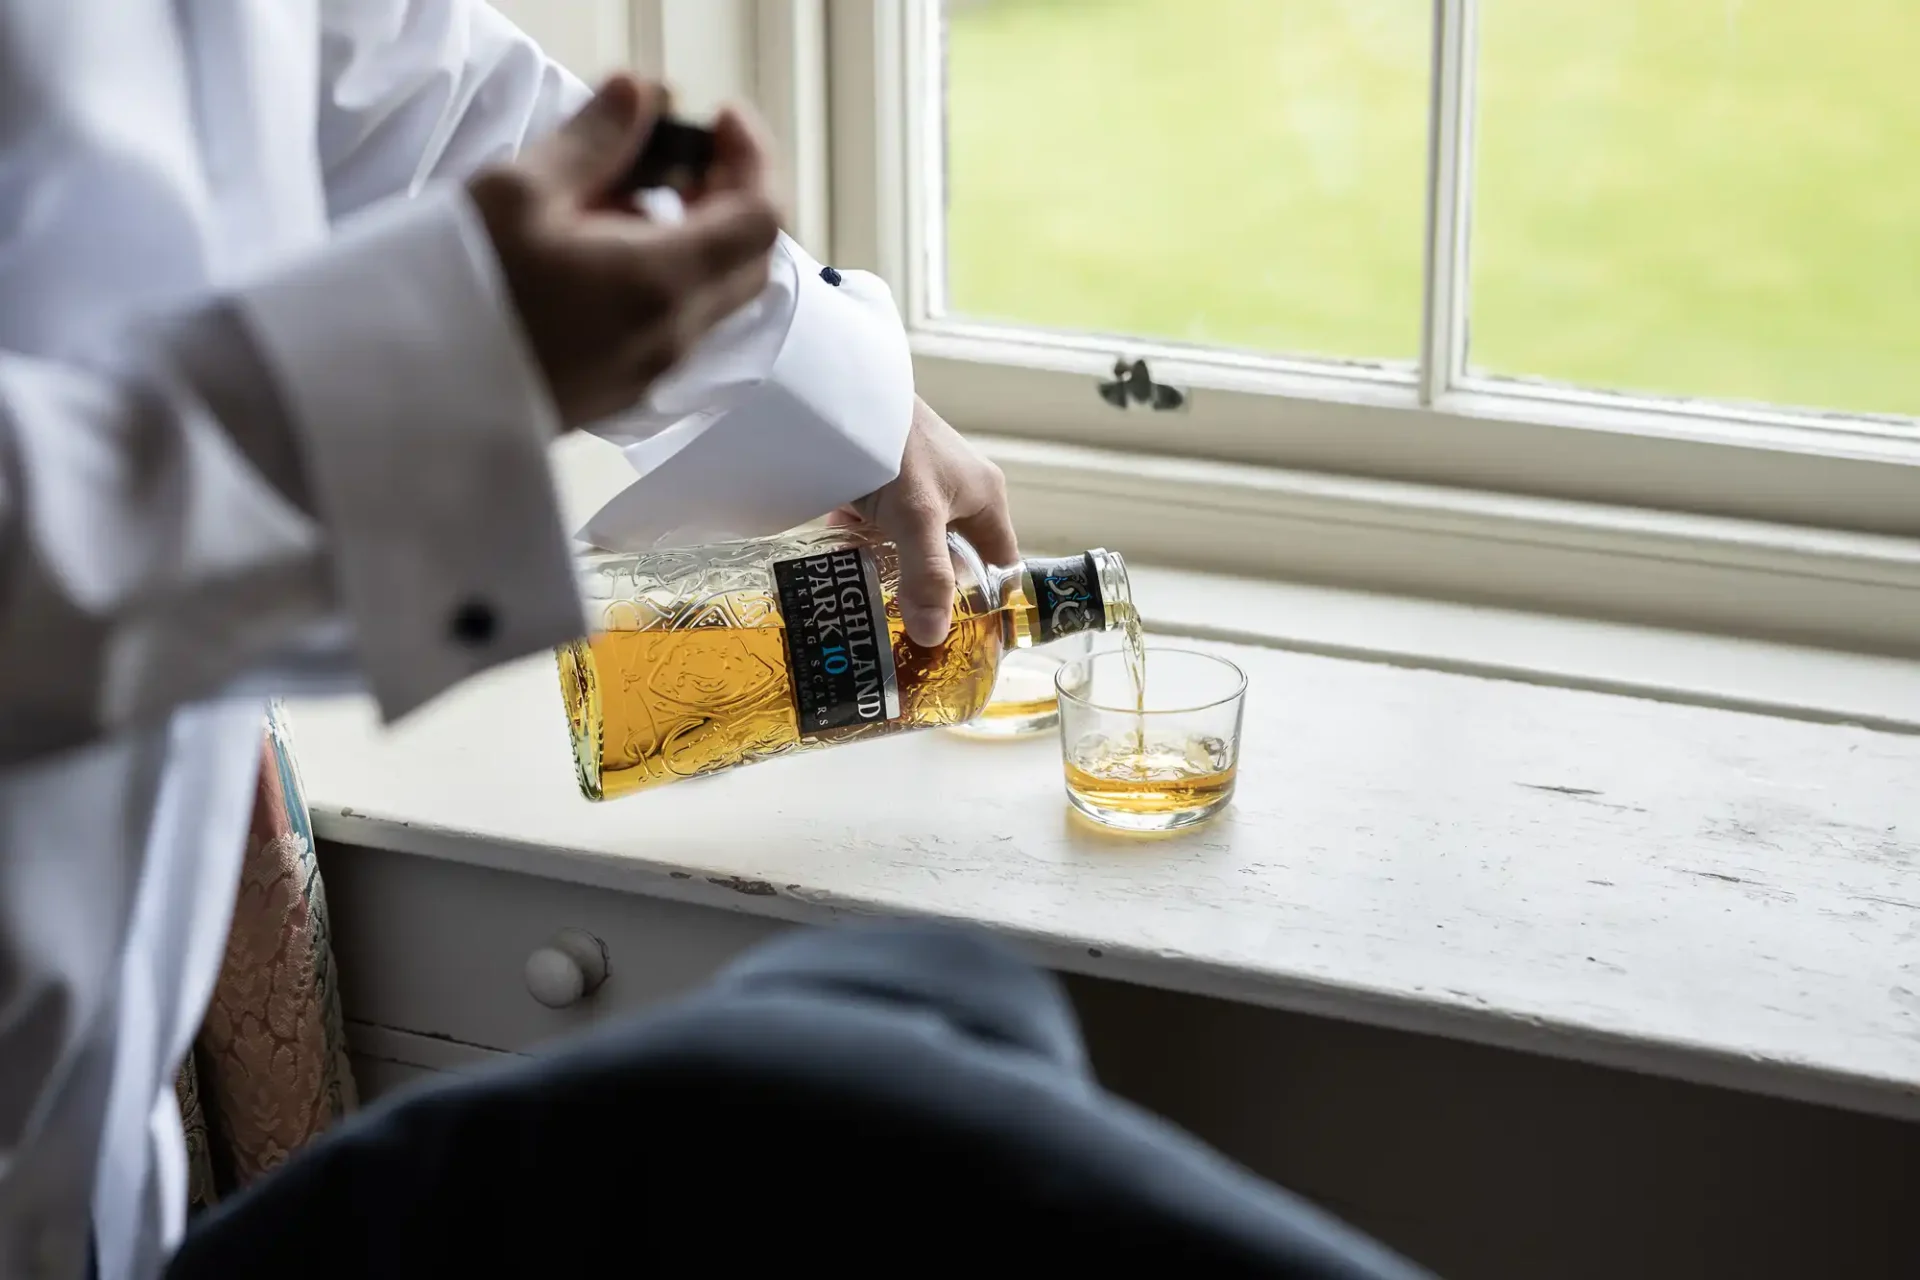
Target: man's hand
(610, 300)
(943, 484)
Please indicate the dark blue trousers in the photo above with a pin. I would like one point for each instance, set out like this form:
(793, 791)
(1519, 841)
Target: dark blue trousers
(897, 1101)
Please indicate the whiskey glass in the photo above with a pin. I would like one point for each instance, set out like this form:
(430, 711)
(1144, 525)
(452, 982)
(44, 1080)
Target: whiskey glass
(1162, 761)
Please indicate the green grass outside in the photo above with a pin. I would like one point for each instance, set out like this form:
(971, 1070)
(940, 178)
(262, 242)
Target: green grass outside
(1700, 197)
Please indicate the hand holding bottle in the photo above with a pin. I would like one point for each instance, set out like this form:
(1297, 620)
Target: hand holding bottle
(611, 300)
(943, 484)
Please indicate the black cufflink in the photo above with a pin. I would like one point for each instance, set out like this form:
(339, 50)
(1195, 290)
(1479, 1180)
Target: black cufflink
(473, 623)
(831, 276)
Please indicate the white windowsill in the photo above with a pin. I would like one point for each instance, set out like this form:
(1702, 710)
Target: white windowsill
(1679, 889)
(1822, 685)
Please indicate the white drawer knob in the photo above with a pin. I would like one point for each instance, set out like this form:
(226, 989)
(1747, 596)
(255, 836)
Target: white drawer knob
(568, 969)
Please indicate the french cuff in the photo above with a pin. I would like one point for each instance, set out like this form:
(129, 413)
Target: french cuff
(423, 423)
(796, 406)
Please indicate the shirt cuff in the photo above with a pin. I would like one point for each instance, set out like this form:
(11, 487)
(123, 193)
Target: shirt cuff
(423, 422)
(801, 403)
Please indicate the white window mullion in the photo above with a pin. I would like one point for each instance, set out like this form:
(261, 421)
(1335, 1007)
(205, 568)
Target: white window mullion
(923, 36)
(1443, 344)
(866, 95)
(790, 64)
(703, 49)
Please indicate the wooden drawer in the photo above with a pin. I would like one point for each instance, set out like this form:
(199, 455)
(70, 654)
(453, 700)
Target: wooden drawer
(439, 949)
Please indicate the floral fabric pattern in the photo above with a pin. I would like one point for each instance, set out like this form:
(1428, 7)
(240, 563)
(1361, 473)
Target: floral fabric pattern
(269, 1071)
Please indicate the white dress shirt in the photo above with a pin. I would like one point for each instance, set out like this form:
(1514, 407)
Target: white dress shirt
(256, 435)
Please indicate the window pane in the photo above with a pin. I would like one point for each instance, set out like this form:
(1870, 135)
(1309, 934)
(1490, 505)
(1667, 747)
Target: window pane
(1238, 173)
(1714, 198)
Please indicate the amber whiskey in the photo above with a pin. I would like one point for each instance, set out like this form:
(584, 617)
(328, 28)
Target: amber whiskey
(1136, 778)
(710, 657)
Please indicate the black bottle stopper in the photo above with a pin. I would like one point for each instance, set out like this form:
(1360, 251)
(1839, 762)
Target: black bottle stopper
(676, 155)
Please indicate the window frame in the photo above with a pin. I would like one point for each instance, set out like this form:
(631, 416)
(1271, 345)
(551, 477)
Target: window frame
(1434, 424)
(1713, 517)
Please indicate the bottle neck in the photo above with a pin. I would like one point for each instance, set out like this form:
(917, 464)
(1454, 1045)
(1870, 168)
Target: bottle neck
(1049, 598)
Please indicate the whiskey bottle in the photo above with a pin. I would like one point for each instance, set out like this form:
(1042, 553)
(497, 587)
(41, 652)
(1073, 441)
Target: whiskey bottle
(704, 658)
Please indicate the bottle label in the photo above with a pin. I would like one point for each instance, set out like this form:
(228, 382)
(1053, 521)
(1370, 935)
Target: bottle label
(1067, 594)
(837, 644)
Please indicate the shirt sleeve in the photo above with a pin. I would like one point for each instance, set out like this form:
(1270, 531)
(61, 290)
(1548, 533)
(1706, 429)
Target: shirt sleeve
(338, 465)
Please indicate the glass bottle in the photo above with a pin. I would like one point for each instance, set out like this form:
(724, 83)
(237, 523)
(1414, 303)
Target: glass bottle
(703, 658)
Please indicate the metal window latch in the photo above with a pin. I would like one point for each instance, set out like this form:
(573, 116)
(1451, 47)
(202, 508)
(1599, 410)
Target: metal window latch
(1132, 384)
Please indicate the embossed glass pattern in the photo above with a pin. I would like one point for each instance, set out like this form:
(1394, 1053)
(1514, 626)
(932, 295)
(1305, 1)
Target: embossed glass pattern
(690, 667)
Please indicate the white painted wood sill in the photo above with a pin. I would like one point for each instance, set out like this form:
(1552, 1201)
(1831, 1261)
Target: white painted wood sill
(1720, 896)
